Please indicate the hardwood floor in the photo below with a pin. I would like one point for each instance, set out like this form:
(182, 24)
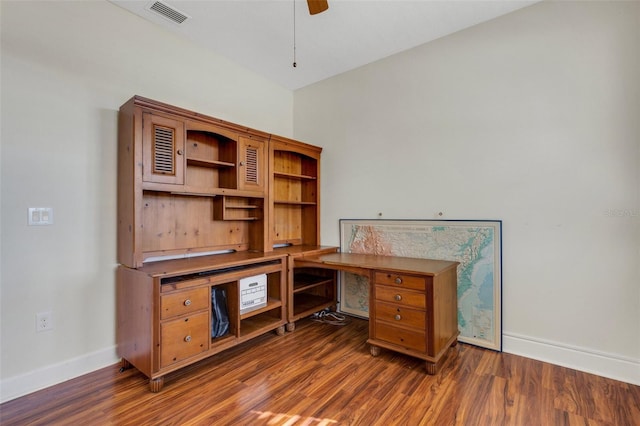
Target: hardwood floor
(324, 375)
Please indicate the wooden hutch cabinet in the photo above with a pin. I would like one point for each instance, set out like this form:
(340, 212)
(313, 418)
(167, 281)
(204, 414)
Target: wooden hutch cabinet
(205, 205)
(188, 184)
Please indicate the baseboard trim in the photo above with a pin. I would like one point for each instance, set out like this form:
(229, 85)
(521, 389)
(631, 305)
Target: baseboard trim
(17, 386)
(624, 369)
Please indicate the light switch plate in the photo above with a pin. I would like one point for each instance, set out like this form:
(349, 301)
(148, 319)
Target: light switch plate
(40, 216)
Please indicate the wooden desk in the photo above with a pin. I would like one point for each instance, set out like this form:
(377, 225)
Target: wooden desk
(413, 303)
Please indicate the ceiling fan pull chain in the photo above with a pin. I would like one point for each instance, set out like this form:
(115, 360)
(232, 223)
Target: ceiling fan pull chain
(294, 34)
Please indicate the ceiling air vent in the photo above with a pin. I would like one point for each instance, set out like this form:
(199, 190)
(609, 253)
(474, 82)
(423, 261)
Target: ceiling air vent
(167, 12)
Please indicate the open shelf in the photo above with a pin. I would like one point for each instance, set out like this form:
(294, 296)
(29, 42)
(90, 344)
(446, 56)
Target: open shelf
(237, 208)
(293, 175)
(208, 163)
(211, 159)
(229, 337)
(296, 203)
(260, 323)
(302, 282)
(305, 303)
(271, 304)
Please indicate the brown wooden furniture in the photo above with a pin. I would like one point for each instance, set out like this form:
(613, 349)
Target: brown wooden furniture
(413, 303)
(188, 183)
(164, 309)
(192, 186)
(294, 212)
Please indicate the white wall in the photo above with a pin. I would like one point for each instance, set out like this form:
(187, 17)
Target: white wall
(532, 118)
(66, 69)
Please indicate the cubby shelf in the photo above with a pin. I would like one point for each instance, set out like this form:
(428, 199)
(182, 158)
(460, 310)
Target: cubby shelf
(306, 304)
(293, 176)
(258, 324)
(271, 304)
(295, 203)
(208, 163)
(303, 282)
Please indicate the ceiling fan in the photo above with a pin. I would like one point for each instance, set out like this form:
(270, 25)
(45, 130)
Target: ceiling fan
(317, 6)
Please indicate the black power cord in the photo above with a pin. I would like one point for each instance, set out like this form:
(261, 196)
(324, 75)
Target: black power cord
(328, 317)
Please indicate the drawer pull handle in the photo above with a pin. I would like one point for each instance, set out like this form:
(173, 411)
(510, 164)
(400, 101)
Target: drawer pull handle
(187, 302)
(187, 339)
(398, 280)
(398, 317)
(398, 297)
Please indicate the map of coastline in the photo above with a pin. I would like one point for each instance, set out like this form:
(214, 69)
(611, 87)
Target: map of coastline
(471, 244)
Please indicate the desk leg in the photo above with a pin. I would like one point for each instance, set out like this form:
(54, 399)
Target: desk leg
(155, 385)
(124, 365)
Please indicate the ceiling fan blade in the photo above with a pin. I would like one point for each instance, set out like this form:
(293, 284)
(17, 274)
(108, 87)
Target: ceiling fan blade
(317, 6)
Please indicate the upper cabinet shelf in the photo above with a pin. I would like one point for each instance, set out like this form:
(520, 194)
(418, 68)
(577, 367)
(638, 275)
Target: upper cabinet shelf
(295, 203)
(293, 176)
(208, 163)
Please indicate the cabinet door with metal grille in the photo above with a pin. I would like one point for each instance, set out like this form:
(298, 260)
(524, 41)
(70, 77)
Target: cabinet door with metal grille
(252, 170)
(163, 149)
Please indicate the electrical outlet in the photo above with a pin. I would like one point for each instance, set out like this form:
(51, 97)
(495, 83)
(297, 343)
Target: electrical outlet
(44, 321)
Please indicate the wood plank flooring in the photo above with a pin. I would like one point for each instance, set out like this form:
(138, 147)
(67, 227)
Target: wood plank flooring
(324, 375)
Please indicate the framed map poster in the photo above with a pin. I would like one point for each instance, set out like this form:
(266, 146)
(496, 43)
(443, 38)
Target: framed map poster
(477, 245)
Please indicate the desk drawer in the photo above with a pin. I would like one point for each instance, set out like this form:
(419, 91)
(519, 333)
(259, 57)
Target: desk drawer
(400, 315)
(183, 338)
(400, 296)
(398, 336)
(400, 280)
(184, 302)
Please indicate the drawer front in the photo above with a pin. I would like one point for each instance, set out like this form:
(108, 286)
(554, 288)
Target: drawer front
(398, 336)
(400, 296)
(404, 281)
(400, 315)
(184, 302)
(183, 338)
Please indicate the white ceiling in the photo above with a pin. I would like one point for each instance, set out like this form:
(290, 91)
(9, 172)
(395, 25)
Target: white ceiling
(259, 34)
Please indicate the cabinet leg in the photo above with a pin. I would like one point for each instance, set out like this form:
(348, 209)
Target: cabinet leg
(374, 350)
(280, 330)
(155, 385)
(291, 326)
(432, 368)
(124, 364)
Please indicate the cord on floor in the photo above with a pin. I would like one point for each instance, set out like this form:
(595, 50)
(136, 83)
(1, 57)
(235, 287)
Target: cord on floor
(328, 317)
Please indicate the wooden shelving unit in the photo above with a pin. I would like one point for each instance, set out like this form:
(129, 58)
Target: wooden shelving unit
(190, 185)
